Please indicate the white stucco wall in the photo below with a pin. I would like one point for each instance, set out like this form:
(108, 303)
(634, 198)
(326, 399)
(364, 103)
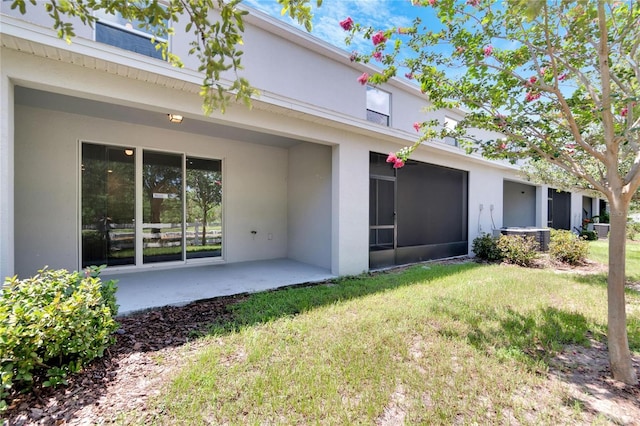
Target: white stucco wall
(37, 14)
(520, 204)
(309, 204)
(350, 208)
(46, 201)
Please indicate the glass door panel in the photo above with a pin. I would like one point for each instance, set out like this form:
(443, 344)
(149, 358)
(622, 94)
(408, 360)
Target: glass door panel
(108, 205)
(162, 233)
(204, 208)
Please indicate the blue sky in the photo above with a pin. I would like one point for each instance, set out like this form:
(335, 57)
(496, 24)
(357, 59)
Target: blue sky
(377, 13)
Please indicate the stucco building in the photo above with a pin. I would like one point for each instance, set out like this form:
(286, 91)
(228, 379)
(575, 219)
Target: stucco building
(93, 171)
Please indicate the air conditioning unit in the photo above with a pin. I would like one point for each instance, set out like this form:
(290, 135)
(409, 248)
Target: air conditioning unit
(541, 235)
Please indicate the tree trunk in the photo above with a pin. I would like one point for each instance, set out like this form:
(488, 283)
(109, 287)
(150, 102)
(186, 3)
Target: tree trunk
(619, 354)
(205, 213)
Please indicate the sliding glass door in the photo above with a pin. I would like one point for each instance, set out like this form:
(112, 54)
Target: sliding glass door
(108, 205)
(204, 208)
(162, 207)
(178, 200)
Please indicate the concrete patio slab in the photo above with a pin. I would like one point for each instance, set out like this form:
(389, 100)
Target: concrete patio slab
(143, 290)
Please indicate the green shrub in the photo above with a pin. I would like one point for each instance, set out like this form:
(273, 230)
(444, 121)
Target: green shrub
(52, 325)
(518, 249)
(633, 230)
(567, 247)
(589, 235)
(486, 248)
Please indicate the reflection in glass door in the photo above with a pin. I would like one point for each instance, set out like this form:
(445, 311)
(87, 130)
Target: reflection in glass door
(179, 200)
(204, 208)
(162, 232)
(108, 205)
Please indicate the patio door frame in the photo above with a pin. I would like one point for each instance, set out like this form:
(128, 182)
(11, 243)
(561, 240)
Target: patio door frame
(139, 209)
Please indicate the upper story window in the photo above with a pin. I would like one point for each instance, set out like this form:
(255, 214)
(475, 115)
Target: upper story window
(450, 124)
(127, 34)
(378, 105)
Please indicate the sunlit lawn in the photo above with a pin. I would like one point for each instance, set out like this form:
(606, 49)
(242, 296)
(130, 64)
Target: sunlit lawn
(462, 343)
(598, 251)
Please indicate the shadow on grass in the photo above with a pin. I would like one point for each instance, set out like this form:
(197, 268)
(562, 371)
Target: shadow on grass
(531, 338)
(633, 323)
(271, 305)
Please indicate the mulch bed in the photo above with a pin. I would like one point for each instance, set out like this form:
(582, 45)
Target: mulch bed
(140, 336)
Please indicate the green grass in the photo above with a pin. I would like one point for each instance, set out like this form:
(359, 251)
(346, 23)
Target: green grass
(433, 345)
(599, 251)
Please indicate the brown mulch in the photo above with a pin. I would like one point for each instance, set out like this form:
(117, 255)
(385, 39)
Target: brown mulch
(150, 345)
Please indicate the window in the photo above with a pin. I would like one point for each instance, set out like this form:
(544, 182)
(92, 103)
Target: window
(128, 34)
(378, 105)
(181, 198)
(451, 124)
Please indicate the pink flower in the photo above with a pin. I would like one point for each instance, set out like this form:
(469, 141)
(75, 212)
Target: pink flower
(347, 24)
(417, 126)
(409, 75)
(533, 79)
(460, 49)
(488, 50)
(530, 96)
(562, 76)
(624, 111)
(432, 2)
(377, 56)
(363, 78)
(392, 158)
(398, 163)
(473, 3)
(353, 56)
(570, 148)
(378, 38)
(502, 146)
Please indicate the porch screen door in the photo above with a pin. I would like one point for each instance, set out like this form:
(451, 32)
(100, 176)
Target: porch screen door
(382, 221)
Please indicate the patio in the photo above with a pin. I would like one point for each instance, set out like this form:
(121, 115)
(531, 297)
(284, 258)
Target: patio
(154, 288)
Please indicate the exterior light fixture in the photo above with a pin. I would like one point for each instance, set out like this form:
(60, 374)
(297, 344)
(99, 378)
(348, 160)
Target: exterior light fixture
(128, 152)
(175, 118)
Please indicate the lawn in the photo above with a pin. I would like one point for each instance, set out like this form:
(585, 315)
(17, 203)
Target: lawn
(439, 344)
(598, 251)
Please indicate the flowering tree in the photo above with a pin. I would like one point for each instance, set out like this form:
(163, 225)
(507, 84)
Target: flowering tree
(559, 80)
(216, 26)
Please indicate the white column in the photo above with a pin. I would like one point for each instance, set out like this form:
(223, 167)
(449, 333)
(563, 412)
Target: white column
(350, 210)
(6, 178)
(542, 204)
(576, 210)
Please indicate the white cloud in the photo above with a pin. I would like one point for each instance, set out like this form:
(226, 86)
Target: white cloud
(380, 14)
